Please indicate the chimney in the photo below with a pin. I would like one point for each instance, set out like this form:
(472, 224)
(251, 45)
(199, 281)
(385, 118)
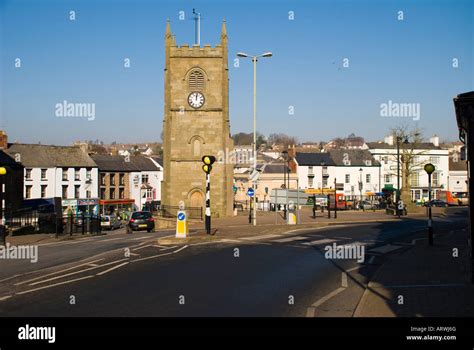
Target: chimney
(435, 140)
(3, 140)
(389, 140)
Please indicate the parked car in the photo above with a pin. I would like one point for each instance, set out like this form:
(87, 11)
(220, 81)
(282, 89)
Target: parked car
(437, 203)
(141, 220)
(110, 222)
(368, 205)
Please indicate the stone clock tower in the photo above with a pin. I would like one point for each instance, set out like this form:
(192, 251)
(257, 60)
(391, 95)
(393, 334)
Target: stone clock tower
(196, 123)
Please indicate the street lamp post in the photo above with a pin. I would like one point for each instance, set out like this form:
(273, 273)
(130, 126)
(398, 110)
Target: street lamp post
(429, 168)
(285, 156)
(254, 60)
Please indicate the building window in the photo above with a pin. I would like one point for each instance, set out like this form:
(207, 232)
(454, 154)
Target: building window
(64, 191)
(367, 178)
(387, 178)
(43, 174)
(145, 178)
(121, 193)
(28, 191)
(325, 183)
(122, 179)
(77, 191)
(112, 179)
(77, 174)
(88, 194)
(64, 174)
(310, 170)
(88, 174)
(414, 179)
(196, 80)
(348, 178)
(28, 174)
(436, 179)
(43, 191)
(149, 193)
(434, 160)
(310, 182)
(102, 193)
(112, 193)
(102, 179)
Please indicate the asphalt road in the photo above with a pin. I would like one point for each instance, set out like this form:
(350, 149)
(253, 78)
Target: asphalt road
(284, 275)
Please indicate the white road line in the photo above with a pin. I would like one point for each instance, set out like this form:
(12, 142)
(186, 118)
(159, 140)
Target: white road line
(140, 238)
(111, 269)
(312, 309)
(56, 272)
(165, 248)
(354, 268)
(290, 239)
(344, 280)
(56, 284)
(344, 237)
(5, 297)
(180, 249)
(319, 242)
(143, 246)
(76, 272)
(385, 249)
(260, 237)
(151, 257)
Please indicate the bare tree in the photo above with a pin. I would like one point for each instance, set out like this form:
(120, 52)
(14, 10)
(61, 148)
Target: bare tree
(410, 161)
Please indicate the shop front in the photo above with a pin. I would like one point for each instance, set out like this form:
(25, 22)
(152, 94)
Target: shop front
(116, 206)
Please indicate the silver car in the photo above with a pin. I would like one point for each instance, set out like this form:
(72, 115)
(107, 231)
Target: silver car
(110, 222)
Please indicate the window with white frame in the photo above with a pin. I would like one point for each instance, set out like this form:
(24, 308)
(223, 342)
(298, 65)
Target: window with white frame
(348, 178)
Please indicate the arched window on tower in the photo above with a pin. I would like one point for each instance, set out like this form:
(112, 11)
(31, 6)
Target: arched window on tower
(196, 80)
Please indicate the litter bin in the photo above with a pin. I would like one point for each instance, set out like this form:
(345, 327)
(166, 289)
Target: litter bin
(464, 108)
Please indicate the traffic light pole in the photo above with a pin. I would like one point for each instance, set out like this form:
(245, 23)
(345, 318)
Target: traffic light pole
(208, 203)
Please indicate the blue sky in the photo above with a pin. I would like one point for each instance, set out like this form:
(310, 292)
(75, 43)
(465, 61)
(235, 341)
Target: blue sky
(82, 61)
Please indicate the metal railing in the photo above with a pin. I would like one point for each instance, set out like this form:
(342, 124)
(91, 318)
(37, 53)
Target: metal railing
(171, 211)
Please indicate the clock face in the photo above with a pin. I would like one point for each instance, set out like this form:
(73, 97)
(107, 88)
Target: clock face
(196, 99)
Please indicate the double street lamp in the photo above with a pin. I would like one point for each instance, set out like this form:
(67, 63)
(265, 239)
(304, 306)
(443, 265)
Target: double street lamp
(254, 60)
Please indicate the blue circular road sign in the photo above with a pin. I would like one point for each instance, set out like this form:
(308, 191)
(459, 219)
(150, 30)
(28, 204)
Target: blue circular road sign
(181, 216)
(250, 192)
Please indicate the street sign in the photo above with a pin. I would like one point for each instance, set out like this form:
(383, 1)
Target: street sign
(250, 192)
(181, 216)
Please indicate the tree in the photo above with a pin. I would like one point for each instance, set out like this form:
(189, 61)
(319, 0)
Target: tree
(410, 163)
(282, 140)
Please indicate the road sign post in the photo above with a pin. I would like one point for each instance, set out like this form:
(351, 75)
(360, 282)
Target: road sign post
(182, 229)
(251, 193)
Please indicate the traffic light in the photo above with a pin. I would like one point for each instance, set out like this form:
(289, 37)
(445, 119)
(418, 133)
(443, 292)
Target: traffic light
(208, 161)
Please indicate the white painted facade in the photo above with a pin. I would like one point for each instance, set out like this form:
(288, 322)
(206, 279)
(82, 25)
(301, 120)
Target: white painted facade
(49, 182)
(145, 186)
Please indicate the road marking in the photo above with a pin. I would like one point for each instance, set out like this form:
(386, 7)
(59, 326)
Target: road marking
(319, 242)
(111, 269)
(165, 248)
(143, 246)
(419, 285)
(344, 237)
(151, 257)
(385, 249)
(180, 249)
(5, 297)
(312, 309)
(56, 284)
(140, 238)
(76, 272)
(344, 280)
(56, 272)
(290, 239)
(261, 237)
(354, 268)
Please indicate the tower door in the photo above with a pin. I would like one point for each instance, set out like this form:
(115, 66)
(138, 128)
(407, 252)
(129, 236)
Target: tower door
(197, 199)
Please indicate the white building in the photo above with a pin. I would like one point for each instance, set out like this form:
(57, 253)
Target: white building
(145, 180)
(423, 153)
(355, 170)
(56, 171)
(457, 178)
